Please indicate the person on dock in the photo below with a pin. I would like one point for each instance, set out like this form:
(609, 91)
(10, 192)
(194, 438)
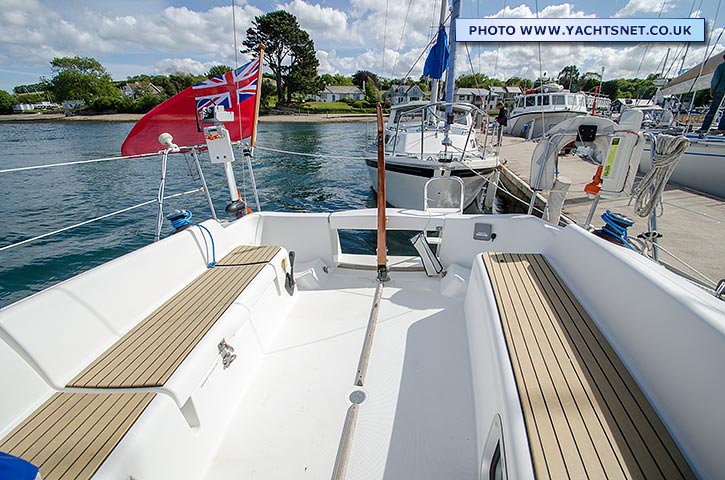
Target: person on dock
(502, 118)
(717, 90)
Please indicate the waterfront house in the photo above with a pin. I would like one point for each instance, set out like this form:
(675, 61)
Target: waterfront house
(335, 93)
(404, 93)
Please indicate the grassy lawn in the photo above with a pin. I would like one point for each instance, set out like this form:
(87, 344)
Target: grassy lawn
(325, 106)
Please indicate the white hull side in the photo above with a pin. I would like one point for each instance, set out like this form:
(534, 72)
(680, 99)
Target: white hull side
(701, 168)
(404, 190)
(516, 123)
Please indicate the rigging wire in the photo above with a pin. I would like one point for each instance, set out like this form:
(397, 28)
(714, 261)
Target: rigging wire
(432, 41)
(385, 36)
(498, 46)
(400, 42)
(86, 222)
(79, 162)
(644, 54)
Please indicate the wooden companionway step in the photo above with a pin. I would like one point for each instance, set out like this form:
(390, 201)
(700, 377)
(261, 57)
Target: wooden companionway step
(585, 415)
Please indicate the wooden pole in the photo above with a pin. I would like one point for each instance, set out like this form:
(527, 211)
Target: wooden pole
(382, 247)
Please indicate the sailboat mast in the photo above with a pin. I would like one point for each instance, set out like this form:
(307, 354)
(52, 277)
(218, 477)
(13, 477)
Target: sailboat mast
(451, 78)
(434, 83)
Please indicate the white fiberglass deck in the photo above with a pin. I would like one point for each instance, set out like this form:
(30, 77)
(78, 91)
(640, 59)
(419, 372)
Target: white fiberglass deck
(417, 420)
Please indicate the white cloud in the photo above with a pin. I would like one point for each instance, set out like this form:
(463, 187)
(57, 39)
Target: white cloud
(321, 22)
(182, 65)
(34, 33)
(644, 6)
(564, 10)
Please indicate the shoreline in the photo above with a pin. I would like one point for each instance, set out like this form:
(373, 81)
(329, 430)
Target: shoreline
(134, 117)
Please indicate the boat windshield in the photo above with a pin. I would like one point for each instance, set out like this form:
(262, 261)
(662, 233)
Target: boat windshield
(557, 100)
(430, 115)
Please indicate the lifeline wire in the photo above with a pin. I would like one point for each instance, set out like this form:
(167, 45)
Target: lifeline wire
(97, 160)
(23, 242)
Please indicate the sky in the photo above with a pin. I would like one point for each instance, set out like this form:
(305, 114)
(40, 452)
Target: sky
(131, 37)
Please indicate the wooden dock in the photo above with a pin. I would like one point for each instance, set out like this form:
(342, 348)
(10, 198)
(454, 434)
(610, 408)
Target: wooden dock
(692, 224)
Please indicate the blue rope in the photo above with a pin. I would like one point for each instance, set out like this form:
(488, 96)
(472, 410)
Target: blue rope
(181, 219)
(616, 225)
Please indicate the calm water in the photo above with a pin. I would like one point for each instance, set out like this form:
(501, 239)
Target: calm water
(39, 201)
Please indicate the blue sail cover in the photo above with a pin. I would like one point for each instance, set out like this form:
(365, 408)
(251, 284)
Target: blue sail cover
(437, 60)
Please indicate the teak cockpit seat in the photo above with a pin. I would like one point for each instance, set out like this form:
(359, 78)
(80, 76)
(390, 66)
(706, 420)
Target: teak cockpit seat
(74, 431)
(153, 350)
(585, 415)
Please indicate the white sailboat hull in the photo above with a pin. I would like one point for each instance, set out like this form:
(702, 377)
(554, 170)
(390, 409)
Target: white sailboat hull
(405, 183)
(701, 168)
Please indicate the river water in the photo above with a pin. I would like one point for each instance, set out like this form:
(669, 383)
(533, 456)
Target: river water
(39, 201)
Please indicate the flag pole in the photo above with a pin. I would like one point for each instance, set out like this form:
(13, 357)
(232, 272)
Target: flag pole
(259, 94)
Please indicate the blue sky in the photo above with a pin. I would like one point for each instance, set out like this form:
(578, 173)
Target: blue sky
(158, 36)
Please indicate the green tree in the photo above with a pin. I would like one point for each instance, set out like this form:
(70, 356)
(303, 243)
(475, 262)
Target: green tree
(589, 81)
(520, 82)
(80, 78)
(372, 95)
(217, 70)
(569, 76)
(336, 79)
(6, 102)
(364, 76)
(30, 88)
(302, 77)
(289, 52)
(478, 80)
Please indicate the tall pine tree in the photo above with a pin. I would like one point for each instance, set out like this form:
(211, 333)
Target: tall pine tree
(289, 52)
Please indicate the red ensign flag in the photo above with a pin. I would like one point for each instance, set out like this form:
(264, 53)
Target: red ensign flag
(180, 115)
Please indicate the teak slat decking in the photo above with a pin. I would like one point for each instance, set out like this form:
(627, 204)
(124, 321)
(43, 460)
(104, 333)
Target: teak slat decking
(585, 415)
(248, 255)
(149, 354)
(72, 434)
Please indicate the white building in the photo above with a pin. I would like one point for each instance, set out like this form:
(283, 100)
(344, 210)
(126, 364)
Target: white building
(404, 93)
(335, 93)
(475, 96)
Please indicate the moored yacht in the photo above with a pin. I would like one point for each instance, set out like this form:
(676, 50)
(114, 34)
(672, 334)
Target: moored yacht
(537, 111)
(418, 149)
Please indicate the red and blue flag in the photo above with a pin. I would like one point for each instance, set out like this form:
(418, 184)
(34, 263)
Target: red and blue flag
(181, 114)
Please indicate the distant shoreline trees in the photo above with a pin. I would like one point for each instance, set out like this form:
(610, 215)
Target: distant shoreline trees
(290, 53)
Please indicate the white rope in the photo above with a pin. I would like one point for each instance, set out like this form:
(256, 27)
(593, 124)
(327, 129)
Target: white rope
(60, 230)
(668, 150)
(79, 162)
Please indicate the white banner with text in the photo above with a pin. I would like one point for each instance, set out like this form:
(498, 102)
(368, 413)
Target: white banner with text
(580, 30)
